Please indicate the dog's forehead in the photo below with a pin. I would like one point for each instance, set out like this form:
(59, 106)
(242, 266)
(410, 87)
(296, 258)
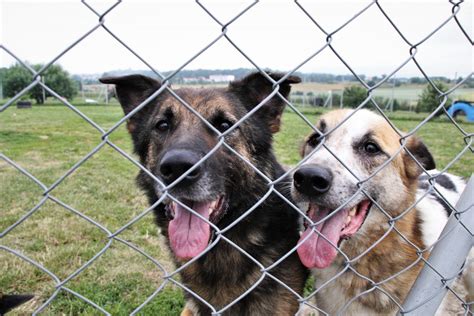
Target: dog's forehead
(205, 101)
(354, 123)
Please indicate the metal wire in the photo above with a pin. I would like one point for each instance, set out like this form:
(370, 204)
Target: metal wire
(170, 277)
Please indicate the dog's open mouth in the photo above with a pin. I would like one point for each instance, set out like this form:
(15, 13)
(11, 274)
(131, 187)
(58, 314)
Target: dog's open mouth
(189, 235)
(316, 252)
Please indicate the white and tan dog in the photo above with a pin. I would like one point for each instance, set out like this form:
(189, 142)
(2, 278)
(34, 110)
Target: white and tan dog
(323, 184)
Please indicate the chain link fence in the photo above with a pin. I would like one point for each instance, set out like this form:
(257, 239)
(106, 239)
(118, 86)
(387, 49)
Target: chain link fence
(171, 277)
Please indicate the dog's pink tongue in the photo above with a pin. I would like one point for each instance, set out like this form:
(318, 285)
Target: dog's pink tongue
(189, 235)
(316, 252)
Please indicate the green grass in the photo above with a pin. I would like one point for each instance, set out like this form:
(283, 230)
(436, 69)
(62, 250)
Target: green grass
(405, 92)
(48, 141)
(413, 92)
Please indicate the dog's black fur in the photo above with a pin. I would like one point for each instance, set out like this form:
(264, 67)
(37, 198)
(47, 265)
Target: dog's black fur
(10, 301)
(269, 232)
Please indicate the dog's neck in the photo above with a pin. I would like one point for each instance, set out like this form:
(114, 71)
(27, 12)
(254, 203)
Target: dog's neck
(392, 255)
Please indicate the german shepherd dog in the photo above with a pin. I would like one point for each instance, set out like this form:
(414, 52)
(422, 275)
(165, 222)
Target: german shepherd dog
(170, 141)
(322, 184)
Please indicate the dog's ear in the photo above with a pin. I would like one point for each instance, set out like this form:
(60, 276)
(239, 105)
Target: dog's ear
(131, 91)
(254, 88)
(422, 155)
(8, 302)
(303, 146)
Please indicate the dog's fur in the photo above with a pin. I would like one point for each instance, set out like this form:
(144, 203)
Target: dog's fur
(395, 188)
(10, 301)
(223, 273)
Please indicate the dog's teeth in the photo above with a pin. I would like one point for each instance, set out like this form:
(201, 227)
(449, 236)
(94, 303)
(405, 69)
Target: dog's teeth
(211, 210)
(353, 211)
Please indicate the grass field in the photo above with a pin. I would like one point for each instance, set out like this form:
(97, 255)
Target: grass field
(405, 92)
(408, 92)
(47, 141)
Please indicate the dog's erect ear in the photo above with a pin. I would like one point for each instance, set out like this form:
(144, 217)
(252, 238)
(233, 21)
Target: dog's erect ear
(422, 155)
(255, 87)
(8, 302)
(131, 91)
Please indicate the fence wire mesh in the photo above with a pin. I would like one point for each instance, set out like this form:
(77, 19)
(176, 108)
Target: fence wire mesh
(170, 276)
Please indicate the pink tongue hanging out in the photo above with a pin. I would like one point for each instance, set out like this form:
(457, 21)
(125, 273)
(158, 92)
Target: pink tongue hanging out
(316, 252)
(189, 235)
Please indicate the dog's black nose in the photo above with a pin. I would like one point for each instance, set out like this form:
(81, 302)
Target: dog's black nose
(176, 162)
(312, 180)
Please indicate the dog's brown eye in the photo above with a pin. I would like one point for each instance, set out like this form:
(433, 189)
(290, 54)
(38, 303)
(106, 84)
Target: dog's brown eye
(162, 126)
(371, 148)
(223, 126)
(314, 139)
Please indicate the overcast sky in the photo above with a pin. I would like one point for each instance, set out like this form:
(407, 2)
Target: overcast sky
(274, 34)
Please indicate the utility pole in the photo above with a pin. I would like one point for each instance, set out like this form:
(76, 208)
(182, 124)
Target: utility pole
(44, 93)
(1, 87)
(82, 88)
(393, 94)
(328, 102)
(106, 94)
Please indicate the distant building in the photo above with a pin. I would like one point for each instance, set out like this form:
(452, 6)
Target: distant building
(221, 78)
(195, 80)
(211, 79)
(189, 80)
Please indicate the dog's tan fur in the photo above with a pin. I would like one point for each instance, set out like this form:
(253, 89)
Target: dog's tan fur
(396, 187)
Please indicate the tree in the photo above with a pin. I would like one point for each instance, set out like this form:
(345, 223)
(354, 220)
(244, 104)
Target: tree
(430, 99)
(416, 80)
(16, 78)
(353, 96)
(3, 71)
(55, 77)
(58, 80)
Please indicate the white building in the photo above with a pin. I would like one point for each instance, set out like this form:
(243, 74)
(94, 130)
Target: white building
(221, 78)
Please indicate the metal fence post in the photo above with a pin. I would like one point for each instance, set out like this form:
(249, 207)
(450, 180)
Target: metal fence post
(447, 257)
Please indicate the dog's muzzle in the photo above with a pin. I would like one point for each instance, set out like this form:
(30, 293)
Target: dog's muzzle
(176, 162)
(312, 180)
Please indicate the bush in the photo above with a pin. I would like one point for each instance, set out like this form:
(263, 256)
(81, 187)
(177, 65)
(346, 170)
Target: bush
(336, 99)
(430, 99)
(16, 79)
(55, 77)
(381, 101)
(354, 96)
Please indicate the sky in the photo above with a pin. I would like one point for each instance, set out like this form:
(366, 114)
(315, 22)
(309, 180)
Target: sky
(274, 34)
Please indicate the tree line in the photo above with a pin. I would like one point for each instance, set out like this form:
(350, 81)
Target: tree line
(354, 95)
(305, 77)
(16, 78)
